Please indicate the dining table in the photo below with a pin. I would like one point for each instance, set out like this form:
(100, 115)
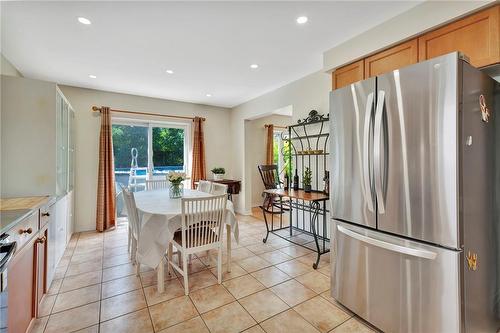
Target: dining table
(160, 217)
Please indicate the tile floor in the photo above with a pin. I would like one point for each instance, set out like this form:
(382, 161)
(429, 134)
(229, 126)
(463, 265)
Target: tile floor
(271, 288)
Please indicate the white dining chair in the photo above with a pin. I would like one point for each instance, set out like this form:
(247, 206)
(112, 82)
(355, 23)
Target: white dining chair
(202, 224)
(156, 184)
(218, 189)
(133, 225)
(204, 186)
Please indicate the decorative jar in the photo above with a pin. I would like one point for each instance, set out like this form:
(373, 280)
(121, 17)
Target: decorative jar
(175, 190)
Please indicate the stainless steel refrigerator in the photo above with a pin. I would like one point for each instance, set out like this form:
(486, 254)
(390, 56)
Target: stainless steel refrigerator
(415, 198)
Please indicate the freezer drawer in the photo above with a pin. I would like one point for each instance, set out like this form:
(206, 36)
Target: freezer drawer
(396, 284)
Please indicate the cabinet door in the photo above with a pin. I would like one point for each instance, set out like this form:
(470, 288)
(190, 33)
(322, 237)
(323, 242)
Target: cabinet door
(346, 75)
(61, 223)
(41, 268)
(21, 287)
(396, 57)
(476, 36)
(51, 245)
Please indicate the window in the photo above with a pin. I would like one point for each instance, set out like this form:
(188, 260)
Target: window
(144, 150)
(281, 151)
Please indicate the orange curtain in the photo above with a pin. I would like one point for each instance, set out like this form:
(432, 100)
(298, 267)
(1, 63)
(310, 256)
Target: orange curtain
(105, 215)
(198, 170)
(270, 145)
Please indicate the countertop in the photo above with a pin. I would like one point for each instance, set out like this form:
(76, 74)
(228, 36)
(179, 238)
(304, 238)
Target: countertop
(14, 210)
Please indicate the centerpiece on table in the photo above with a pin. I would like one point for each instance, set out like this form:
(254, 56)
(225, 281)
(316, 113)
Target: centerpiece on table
(176, 188)
(218, 173)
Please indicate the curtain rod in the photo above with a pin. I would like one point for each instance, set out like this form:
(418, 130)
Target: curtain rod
(275, 126)
(98, 109)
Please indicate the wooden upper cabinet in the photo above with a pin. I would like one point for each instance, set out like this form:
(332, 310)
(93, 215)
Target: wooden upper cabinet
(348, 74)
(477, 36)
(396, 57)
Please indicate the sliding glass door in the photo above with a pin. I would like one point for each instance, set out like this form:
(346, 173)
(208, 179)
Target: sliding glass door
(148, 150)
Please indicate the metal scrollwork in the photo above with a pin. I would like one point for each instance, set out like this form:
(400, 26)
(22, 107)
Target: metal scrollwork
(312, 117)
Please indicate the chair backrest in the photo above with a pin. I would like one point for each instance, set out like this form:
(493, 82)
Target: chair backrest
(204, 186)
(202, 220)
(156, 184)
(218, 189)
(269, 175)
(133, 215)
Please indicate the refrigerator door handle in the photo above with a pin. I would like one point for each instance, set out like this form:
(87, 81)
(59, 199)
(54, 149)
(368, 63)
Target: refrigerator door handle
(386, 245)
(366, 156)
(377, 158)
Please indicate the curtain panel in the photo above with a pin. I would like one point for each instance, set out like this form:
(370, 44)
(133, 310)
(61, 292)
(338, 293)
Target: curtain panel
(105, 214)
(270, 145)
(198, 170)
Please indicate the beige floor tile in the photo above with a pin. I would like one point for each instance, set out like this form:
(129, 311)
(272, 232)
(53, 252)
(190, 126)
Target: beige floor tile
(241, 253)
(255, 329)
(173, 289)
(276, 257)
(87, 256)
(315, 281)
(243, 286)
(295, 251)
(294, 268)
(195, 325)
(236, 271)
(263, 305)
(260, 248)
(122, 304)
(149, 278)
(74, 319)
(311, 257)
(54, 287)
(80, 281)
(91, 329)
(293, 292)
(353, 325)
(321, 314)
(46, 305)
(135, 322)
(39, 325)
(288, 322)
(172, 312)
(200, 280)
(120, 286)
(77, 297)
(209, 298)
(117, 272)
(116, 260)
(227, 319)
(270, 276)
(116, 251)
(253, 264)
(327, 295)
(84, 267)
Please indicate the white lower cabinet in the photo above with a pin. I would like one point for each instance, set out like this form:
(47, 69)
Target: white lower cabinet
(61, 230)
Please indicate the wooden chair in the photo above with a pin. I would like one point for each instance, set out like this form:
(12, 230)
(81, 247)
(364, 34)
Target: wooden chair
(156, 184)
(204, 186)
(271, 180)
(218, 189)
(133, 225)
(202, 224)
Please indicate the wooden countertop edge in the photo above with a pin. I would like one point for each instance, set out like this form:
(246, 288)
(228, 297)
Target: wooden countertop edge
(32, 202)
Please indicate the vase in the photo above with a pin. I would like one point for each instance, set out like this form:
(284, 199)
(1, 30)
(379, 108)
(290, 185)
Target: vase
(175, 190)
(307, 188)
(218, 176)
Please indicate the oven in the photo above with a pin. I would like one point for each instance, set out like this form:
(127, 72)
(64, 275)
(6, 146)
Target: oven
(7, 249)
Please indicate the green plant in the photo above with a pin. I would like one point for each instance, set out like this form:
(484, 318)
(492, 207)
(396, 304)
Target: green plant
(218, 171)
(306, 179)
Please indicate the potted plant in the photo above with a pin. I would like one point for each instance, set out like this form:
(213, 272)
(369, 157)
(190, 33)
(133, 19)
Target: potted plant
(176, 178)
(218, 173)
(306, 180)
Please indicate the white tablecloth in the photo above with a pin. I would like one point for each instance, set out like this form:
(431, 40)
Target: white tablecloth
(160, 217)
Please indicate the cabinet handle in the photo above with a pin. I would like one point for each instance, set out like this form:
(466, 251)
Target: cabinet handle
(41, 240)
(26, 231)
(46, 214)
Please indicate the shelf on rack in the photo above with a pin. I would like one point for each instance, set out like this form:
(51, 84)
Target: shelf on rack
(309, 136)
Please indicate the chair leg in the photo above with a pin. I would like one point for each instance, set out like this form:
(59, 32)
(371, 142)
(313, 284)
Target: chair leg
(185, 274)
(128, 242)
(134, 251)
(137, 268)
(160, 277)
(169, 256)
(219, 265)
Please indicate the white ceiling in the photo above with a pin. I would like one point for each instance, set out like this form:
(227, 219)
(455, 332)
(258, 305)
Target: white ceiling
(208, 45)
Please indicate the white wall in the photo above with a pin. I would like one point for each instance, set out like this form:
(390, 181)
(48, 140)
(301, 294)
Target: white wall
(420, 18)
(87, 126)
(310, 92)
(255, 147)
(6, 67)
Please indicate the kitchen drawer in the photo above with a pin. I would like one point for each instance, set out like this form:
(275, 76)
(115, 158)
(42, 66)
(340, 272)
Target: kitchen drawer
(45, 216)
(25, 230)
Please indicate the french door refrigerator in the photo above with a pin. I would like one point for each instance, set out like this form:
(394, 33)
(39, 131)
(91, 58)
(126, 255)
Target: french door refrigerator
(415, 196)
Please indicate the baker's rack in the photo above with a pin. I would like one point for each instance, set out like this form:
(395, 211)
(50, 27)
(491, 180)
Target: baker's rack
(306, 145)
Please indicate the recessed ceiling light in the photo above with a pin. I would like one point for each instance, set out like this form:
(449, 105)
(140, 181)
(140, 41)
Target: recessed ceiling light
(92, 76)
(84, 20)
(169, 71)
(209, 95)
(302, 19)
(254, 66)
